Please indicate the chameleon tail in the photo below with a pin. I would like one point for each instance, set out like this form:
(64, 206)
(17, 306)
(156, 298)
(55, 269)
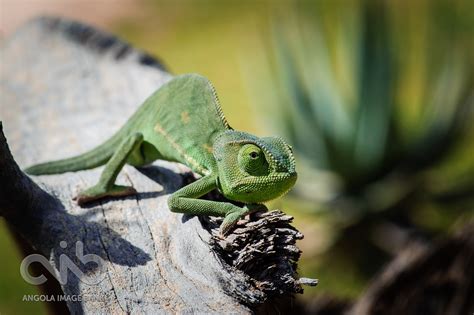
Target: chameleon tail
(91, 159)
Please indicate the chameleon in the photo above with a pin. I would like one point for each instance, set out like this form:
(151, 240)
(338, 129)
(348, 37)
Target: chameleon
(183, 122)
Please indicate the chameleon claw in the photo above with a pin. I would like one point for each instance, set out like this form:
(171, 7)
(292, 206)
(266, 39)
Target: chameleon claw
(232, 218)
(229, 222)
(97, 193)
(257, 207)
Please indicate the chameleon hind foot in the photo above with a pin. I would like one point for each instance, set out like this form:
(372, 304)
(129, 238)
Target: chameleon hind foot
(97, 192)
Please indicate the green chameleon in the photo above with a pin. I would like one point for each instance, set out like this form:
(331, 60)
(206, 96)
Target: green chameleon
(183, 122)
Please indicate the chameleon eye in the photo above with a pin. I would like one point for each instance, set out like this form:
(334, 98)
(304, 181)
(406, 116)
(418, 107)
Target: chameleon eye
(252, 160)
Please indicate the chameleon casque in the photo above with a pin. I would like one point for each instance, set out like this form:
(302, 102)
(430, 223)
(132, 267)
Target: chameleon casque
(183, 122)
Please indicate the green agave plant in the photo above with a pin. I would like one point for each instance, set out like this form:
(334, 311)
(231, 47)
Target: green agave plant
(356, 100)
(377, 99)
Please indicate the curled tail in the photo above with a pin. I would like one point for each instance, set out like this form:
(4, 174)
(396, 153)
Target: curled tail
(93, 158)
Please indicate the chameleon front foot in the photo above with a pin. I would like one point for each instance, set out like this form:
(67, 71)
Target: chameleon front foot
(233, 217)
(97, 192)
(229, 221)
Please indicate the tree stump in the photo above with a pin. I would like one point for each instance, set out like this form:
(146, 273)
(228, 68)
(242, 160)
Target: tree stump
(65, 88)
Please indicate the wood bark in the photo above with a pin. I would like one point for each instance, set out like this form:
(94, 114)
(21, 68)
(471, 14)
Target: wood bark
(65, 88)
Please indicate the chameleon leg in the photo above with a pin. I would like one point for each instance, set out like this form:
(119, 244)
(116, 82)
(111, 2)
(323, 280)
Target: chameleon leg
(106, 186)
(184, 201)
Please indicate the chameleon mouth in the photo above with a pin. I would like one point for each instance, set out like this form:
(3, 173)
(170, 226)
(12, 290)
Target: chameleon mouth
(267, 179)
(265, 188)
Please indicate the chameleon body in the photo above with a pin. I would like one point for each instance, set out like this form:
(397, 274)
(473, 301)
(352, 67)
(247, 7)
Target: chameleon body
(183, 122)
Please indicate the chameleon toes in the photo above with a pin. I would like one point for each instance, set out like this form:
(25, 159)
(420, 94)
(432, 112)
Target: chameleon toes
(97, 193)
(230, 220)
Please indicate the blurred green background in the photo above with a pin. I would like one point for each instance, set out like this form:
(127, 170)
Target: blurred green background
(376, 98)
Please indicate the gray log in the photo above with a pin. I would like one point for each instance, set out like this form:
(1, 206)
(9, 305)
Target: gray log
(65, 88)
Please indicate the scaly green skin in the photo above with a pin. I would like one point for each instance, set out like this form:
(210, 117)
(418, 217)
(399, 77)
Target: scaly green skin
(183, 122)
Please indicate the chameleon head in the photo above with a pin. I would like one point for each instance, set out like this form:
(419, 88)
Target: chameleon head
(252, 169)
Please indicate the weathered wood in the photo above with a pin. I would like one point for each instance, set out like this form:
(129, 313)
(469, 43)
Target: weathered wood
(65, 88)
